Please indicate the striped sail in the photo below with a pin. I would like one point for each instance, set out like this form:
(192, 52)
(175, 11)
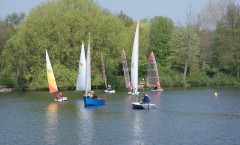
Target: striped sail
(152, 72)
(81, 70)
(50, 76)
(104, 72)
(125, 70)
(134, 64)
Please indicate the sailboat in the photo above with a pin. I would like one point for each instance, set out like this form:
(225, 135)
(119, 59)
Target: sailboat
(134, 63)
(152, 74)
(126, 72)
(88, 101)
(104, 77)
(52, 85)
(81, 71)
(134, 73)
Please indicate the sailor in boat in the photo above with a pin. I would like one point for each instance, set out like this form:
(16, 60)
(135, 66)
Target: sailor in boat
(145, 98)
(155, 87)
(89, 94)
(109, 88)
(59, 95)
(94, 95)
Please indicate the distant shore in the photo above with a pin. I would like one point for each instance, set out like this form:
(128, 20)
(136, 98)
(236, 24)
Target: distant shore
(5, 89)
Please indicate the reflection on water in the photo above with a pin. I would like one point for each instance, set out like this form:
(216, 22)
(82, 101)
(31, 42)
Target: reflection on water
(51, 135)
(140, 118)
(137, 128)
(85, 129)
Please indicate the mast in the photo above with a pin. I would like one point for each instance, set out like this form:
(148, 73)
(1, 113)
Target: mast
(88, 70)
(104, 72)
(125, 70)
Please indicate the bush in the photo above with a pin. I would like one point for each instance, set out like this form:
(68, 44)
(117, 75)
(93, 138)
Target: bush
(198, 78)
(223, 79)
(6, 82)
(169, 77)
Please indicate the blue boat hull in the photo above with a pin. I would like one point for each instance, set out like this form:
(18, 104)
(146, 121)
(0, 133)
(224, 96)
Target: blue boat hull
(93, 102)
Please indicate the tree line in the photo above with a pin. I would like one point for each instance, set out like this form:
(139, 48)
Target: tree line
(203, 51)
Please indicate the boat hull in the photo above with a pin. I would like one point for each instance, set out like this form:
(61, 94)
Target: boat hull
(61, 100)
(130, 93)
(158, 90)
(137, 105)
(106, 91)
(93, 102)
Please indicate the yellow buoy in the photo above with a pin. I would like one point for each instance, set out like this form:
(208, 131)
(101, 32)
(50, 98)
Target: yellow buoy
(215, 94)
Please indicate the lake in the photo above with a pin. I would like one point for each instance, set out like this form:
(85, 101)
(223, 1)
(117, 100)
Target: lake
(184, 116)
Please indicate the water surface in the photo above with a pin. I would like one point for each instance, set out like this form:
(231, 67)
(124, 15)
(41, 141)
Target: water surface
(182, 117)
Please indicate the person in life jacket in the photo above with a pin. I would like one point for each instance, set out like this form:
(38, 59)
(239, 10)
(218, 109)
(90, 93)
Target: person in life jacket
(59, 95)
(109, 88)
(94, 95)
(145, 98)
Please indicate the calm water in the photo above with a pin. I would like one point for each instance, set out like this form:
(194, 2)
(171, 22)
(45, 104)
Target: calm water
(183, 117)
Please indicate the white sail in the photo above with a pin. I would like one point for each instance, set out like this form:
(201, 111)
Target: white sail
(81, 70)
(88, 70)
(134, 64)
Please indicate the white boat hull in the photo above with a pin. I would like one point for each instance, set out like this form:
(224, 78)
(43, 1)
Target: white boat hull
(158, 90)
(61, 100)
(130, 93)
(137, 105)
(106, 91)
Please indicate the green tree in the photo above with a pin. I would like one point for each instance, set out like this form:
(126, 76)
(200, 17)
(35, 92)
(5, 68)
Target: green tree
(160, 33)
(226, 44)
(7, 28)
(5, 34)
(128, 21)
(15, 18)
(60, 27)
(184, 44)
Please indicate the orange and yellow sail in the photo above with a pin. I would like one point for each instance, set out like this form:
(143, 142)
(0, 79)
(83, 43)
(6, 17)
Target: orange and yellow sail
(51, 79)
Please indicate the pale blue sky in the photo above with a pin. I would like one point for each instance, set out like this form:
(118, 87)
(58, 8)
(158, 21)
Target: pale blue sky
(136, 9)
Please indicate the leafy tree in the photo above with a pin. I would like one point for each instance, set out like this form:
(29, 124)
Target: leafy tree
(160, 33)
(227, 47)
(15, 19)
(127, 20)
(5, 34)
(184, 44)
(60, 27)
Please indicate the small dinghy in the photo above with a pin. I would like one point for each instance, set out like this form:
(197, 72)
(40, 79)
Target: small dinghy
(138, 105)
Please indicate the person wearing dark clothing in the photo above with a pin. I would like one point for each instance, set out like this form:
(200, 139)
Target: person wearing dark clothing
(109, 88)
(94, 95)
(145, 98)
(155, 87)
